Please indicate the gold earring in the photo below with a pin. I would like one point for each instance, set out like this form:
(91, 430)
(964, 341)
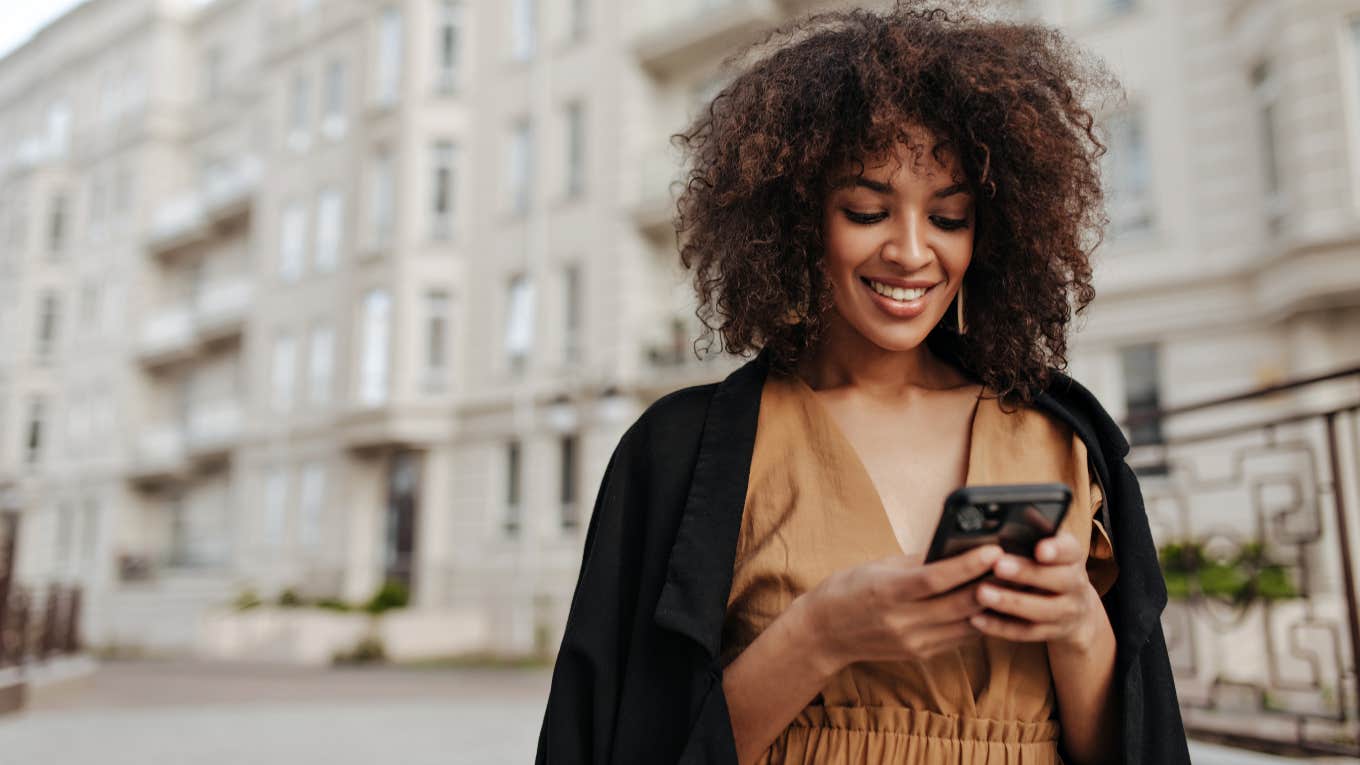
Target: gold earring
(959, 304)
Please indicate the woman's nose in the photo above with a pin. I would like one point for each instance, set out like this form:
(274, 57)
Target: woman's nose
(907, 246)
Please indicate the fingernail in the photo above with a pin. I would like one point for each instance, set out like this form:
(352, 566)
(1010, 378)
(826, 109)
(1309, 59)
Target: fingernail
(1045, 551)
(1007, 567)
(979, 620)
(988, 595)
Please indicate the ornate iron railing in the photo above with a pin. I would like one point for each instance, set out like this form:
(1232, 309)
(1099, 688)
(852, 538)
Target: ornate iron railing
(34, 625)
(1252, 500)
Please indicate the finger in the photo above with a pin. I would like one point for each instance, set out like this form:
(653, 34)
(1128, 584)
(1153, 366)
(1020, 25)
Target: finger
(1038, 608)
(953, 606)
(930, 641)
(1059, 548)
(1054, 578)
(945, 575)
(1016, 630)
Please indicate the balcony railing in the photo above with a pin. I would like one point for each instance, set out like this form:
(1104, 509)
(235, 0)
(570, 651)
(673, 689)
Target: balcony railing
(680, 34)
(1255, 521)
(214, 427)
(159, 453)
(167, 336)
(222, 308)
(223, 193)
(36, 624)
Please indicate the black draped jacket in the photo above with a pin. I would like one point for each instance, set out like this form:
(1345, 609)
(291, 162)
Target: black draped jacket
(637, 678)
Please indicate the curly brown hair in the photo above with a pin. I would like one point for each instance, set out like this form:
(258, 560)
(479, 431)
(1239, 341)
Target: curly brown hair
(837, 88)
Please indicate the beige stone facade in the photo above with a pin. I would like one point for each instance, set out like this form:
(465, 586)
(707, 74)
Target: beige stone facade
(313, 294)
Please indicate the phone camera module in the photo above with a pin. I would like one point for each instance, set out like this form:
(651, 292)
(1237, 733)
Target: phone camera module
(969, 519)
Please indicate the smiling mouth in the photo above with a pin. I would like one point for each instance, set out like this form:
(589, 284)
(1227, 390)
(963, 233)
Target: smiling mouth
(896, 294)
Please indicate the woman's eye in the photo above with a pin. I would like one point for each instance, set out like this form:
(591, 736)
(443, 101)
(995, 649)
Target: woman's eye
(865, 217)
(951, 224)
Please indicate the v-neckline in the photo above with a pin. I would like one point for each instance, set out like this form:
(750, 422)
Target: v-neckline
(835, 428)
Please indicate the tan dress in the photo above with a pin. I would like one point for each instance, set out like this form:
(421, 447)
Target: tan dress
(812, 509)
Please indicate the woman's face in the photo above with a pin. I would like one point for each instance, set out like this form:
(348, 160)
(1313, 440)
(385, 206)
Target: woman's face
(904, 228)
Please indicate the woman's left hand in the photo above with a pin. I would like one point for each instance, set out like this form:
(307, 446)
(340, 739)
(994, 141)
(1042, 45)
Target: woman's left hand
(1062, 607)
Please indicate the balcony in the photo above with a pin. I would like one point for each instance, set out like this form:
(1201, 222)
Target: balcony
(221, 309)
(367, 429)
(214, 428)
(159, 455)
(167, 337)
(682, 34)
(657, 185)
(224, 194)
(1249, 502)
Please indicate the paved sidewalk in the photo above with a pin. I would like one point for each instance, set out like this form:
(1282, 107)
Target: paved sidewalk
(257, 715)
(219, 714)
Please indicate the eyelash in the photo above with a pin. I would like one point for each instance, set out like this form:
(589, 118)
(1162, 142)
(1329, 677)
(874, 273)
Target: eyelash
(948, 224)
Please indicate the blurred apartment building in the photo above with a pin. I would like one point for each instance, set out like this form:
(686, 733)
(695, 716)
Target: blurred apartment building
(316, 294)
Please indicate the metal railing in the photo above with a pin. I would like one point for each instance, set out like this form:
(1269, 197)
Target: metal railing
(35, 625)
(1252, 499)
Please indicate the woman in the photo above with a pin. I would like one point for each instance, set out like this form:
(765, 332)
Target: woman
(893, 210)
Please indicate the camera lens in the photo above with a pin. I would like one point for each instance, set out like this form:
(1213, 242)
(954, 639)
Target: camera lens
(969, 519)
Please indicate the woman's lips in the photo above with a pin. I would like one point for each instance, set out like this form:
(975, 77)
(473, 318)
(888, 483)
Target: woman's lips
(906, 309)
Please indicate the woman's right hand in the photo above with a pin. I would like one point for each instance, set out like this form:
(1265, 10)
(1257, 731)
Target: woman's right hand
(890, 610)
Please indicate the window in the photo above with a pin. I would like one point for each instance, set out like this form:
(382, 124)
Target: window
(1128, 175)
(58, 128)
(98, 206)
(521, 165)
(320, 364)
(330, 209)
(313, 491)
(275, 506)
(56, 229)
(381, 202)
(436, 341)
(388, 71)
(512, 492)
(1266, 91)
(522, 29)
(373, 366)
(333, 109)
(1142, 392)
(300, 94)
(282, 372)
(567, 467)
(89, 538)
(519, 323)
(33, 444)
(48, 318)
(292, 242)
(213, 62)
(571, 319)
(65, 536)
(89, 303)
(580, 18)
(449, 46)
(575, 122)
(444, 155)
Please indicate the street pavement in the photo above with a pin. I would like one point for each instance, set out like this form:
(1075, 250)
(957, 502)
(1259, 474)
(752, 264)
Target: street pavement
(141, 713)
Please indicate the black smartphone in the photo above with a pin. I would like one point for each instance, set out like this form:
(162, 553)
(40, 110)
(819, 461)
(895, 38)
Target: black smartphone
(1015, 516)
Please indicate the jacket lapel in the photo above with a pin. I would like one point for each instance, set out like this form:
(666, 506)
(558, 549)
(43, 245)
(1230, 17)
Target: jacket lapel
(693, 601)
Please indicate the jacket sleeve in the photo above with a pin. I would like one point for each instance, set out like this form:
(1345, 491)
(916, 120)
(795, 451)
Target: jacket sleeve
(1151, 726)
(578, 723)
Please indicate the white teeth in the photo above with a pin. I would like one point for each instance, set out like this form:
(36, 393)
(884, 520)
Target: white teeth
(897, 293)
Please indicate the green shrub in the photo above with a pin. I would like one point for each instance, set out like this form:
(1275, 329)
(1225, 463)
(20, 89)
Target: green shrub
(290, 599)
(246, 600)
(392, 594)
(368, 650)
(1248, 576)
(332, 604)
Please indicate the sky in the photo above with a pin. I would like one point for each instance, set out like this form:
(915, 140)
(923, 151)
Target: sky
(19, 19)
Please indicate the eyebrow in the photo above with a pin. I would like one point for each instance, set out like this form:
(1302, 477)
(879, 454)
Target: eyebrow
(883, 188)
